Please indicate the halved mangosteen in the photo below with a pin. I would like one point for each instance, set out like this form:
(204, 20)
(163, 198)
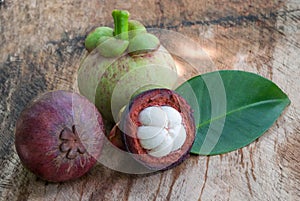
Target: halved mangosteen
(158, 128)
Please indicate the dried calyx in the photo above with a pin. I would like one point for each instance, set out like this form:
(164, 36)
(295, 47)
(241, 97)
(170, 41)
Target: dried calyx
(71, 143)
(158, 128)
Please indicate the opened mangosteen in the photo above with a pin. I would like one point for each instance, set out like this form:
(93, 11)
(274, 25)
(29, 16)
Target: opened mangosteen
(59, 136)
(158, 128)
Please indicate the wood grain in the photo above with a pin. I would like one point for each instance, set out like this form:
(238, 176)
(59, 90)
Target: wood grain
(41, 45)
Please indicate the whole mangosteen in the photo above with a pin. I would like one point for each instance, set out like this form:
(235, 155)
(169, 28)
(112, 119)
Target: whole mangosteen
(59, 136)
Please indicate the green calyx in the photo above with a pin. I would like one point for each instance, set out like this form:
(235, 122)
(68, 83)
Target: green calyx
(112, 47)
(142, 43)
(127, 35)
(97, 36)
(135, 28)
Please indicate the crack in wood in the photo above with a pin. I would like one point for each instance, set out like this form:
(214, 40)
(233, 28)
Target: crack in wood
(205, 178)
(252, 164)
(248, 183)
(175, 173)
(222, 21)
(240, 151)
(128, 189)
(159, 185)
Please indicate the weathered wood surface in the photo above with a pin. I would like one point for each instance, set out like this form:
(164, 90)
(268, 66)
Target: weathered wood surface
(41, 44)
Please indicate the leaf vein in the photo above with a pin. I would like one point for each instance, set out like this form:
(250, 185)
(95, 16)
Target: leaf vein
(239, 109)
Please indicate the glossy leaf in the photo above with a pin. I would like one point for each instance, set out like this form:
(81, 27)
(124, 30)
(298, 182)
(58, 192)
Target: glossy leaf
(232, 109)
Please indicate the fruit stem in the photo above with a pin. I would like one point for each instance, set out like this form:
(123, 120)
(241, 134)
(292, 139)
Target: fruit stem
(121, 23)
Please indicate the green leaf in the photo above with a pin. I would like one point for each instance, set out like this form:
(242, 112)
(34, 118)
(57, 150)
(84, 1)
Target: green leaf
(231, 109)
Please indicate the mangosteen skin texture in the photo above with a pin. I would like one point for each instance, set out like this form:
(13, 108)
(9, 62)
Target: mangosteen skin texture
(130, 123)
(59, 136)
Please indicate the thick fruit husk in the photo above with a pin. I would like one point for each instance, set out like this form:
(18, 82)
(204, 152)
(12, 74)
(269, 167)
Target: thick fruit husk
(110, 83)
(38, 135)
(130, 123)
(115, 137)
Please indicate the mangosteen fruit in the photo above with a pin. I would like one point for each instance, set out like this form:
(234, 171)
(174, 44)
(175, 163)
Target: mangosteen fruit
(120, 62)
(59, 136)
(158, 128)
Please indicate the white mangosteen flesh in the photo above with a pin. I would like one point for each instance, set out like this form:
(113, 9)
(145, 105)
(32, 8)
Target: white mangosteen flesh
(161, 131)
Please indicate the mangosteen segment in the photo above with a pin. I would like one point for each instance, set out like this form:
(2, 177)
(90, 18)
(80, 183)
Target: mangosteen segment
(161, 128)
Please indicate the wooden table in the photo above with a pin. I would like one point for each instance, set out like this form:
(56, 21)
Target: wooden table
(41, 44)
